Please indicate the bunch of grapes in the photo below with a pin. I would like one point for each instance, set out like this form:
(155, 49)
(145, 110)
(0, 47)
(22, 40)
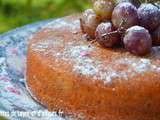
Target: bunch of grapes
(131, 22)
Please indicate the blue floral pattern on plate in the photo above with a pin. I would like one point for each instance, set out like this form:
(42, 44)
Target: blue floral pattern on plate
(13, 93)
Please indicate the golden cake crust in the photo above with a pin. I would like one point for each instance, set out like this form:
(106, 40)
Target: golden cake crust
(67, 72)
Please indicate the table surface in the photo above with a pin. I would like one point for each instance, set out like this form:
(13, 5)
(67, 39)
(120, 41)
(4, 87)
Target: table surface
(13, 94)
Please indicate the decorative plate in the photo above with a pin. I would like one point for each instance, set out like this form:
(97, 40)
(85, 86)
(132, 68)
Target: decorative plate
(15, 101)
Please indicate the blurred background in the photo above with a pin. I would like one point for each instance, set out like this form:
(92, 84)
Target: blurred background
(15, 13)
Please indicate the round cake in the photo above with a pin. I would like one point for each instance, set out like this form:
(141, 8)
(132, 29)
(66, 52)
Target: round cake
(67, 72)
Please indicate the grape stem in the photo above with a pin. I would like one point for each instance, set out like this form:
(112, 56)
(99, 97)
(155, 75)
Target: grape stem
(155, 5)
(81, 25)
(120, 30)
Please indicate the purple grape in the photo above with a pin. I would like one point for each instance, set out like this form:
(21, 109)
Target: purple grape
(125, 15)
(137, 40)
(156, 37)
(89, 22)
(105, 35)
(149, 16)
(104, 8)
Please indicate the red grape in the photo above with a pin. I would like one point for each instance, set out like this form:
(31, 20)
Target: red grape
(149, 16)
(104, 8)
(105, 35)
(156, 37)
(89, 22)
(137, 40)
(125, 15)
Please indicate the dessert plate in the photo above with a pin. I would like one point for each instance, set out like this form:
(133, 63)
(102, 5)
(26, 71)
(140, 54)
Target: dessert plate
(15, 101)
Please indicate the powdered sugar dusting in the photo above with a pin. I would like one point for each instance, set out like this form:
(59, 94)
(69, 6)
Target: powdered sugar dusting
(43, 45)
(83, 64)
(137, 28)
(136, 65)
(80, 56)
(127, 5)
(148, 8)
(90, 66)
(99, 70)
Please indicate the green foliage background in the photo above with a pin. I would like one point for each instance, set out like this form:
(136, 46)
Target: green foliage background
(15, 13)
(2, 118)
